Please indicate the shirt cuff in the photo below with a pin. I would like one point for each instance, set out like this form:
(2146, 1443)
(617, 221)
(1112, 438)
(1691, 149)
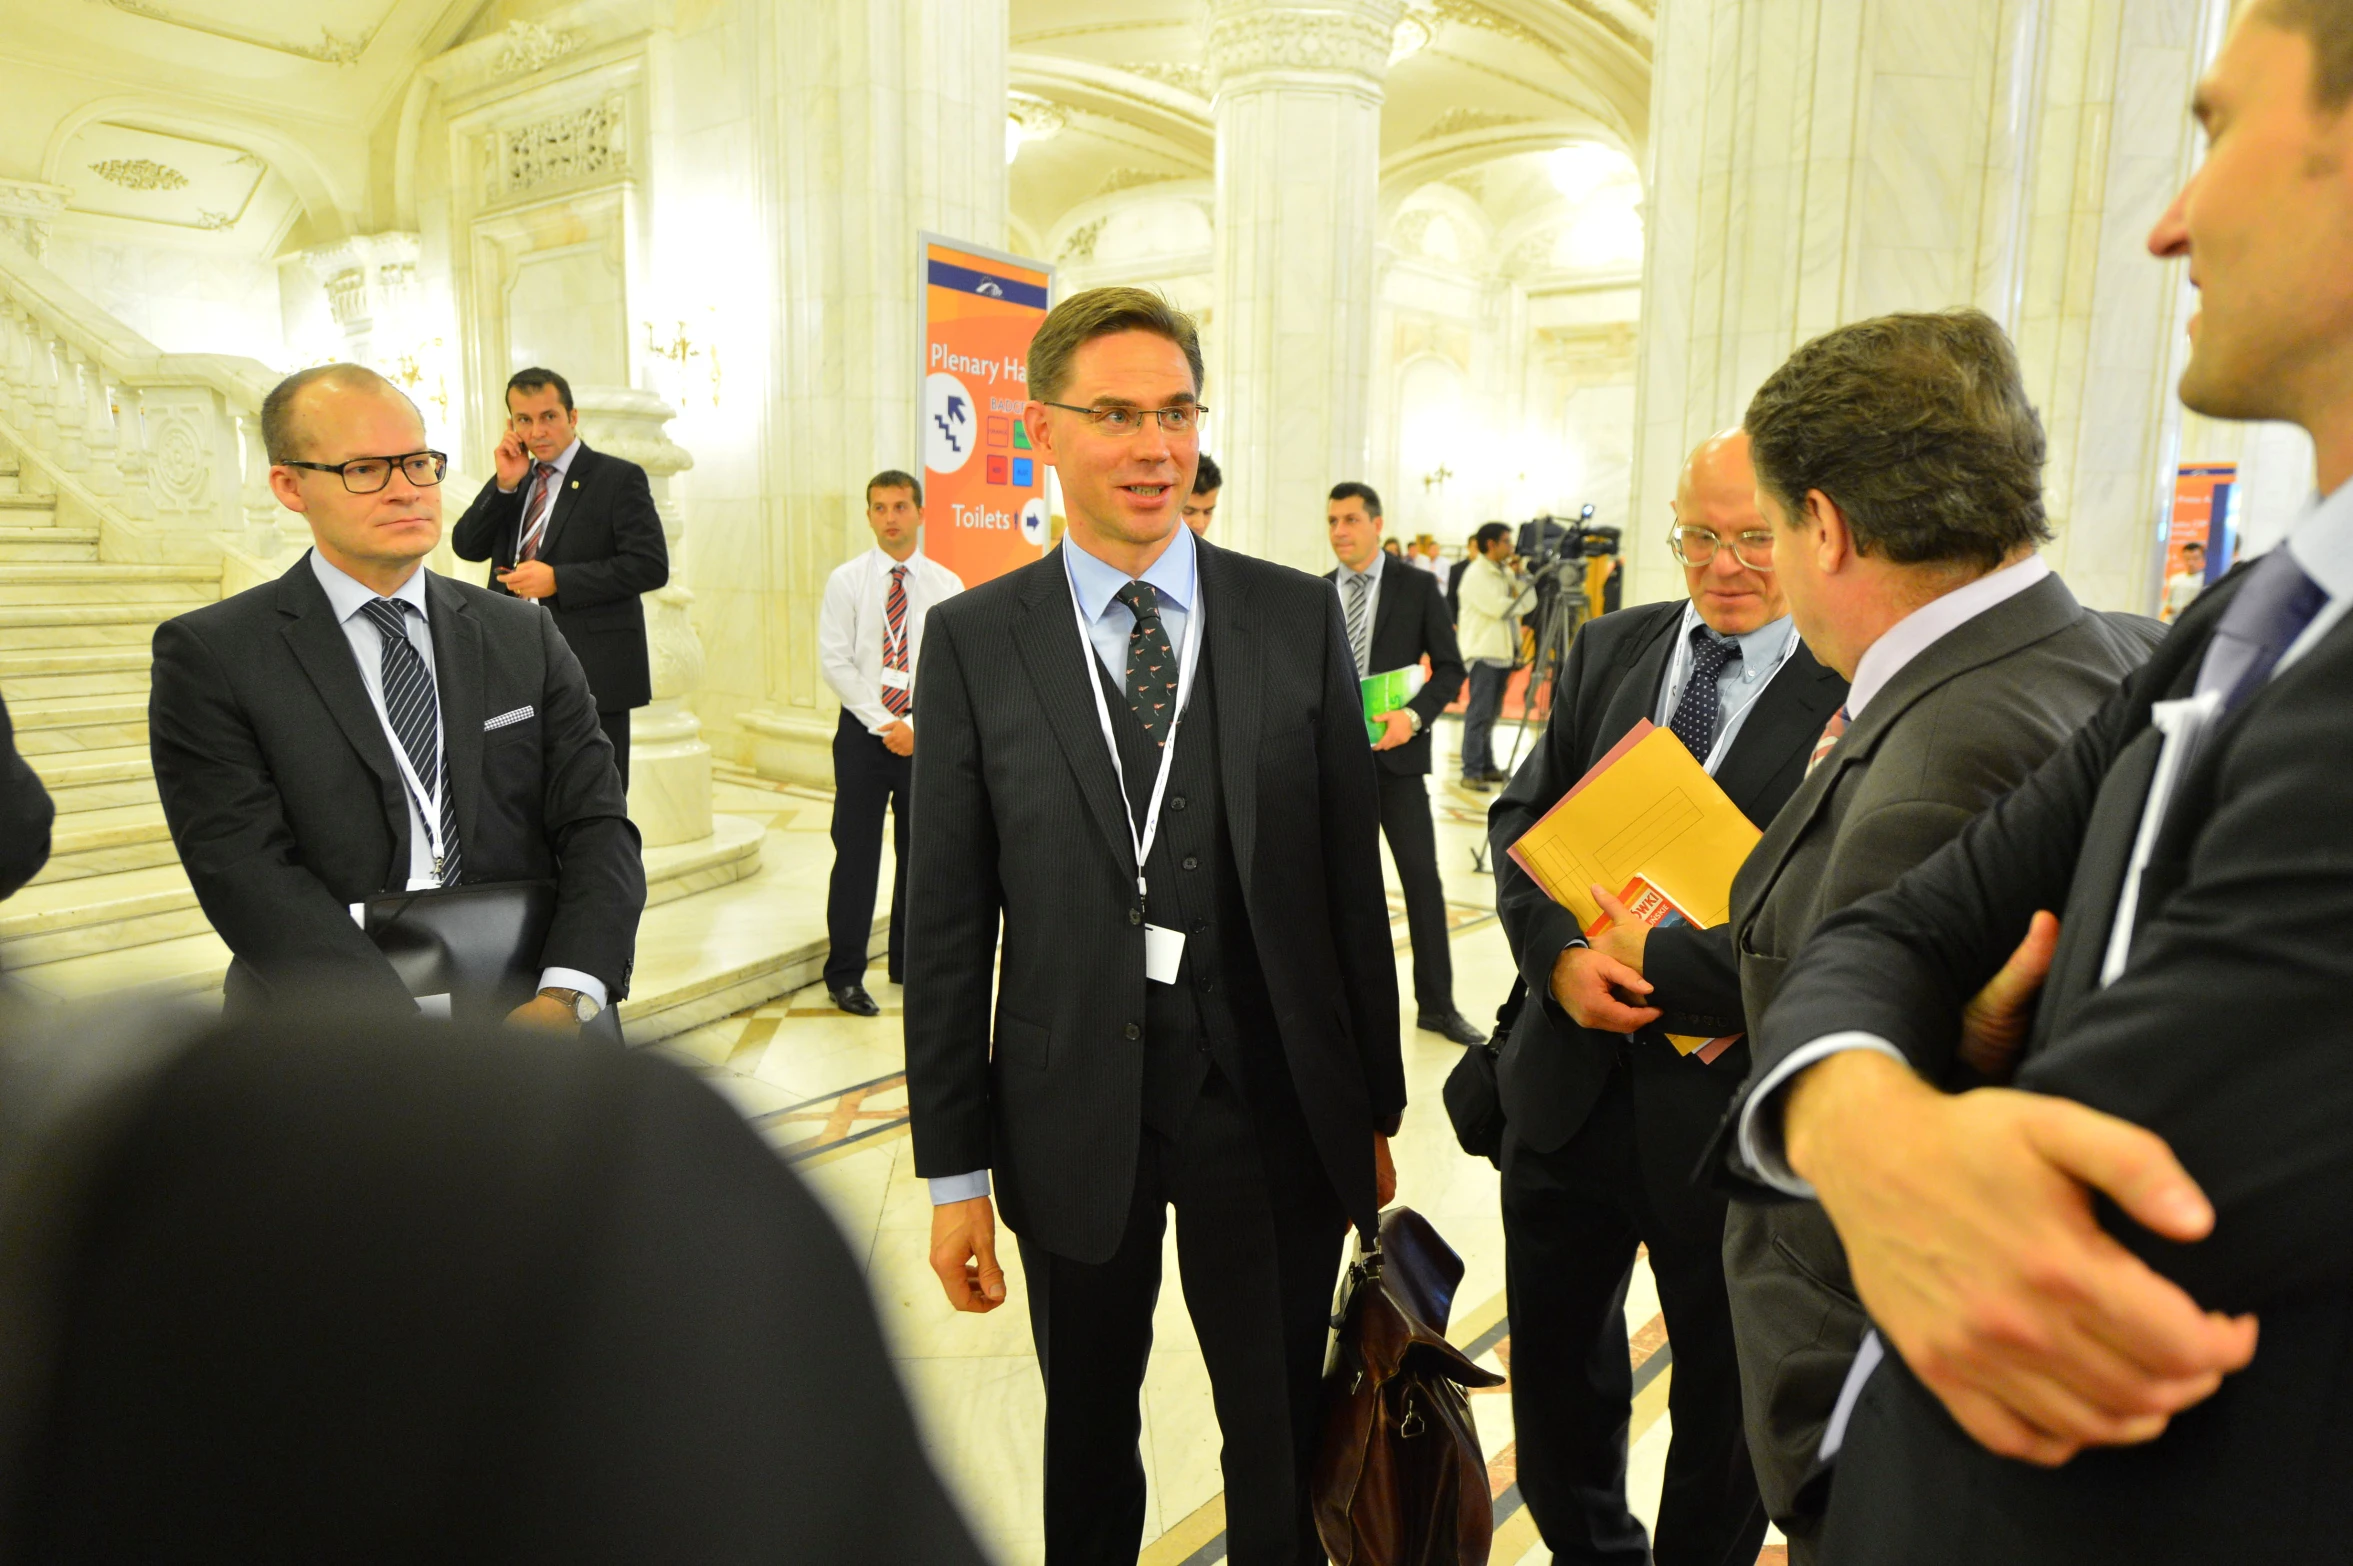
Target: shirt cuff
(959, 1188)
(587, 984)
(1761, 1140)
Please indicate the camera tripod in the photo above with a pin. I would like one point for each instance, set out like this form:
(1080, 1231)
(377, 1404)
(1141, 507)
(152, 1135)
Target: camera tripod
(1561, 611)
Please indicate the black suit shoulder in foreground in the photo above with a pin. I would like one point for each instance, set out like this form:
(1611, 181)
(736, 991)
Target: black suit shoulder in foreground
(26, 814)
(286, 805)
(2224, 1033)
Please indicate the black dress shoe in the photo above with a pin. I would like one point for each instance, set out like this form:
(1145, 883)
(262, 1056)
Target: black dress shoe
(1499, 777)
(1476, 785)
(1454, 1025)
(853, 999)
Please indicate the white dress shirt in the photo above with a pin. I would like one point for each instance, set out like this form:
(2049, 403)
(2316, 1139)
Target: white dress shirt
(1908, 638)
(851, 622)
(1110, 623)
(349, 599)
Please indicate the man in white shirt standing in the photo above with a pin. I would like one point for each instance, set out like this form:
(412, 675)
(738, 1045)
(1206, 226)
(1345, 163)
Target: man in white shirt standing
(1493, 599)
(869, 635)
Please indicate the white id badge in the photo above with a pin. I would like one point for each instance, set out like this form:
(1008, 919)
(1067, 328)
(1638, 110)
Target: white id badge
(897, 680)
(1164, 953)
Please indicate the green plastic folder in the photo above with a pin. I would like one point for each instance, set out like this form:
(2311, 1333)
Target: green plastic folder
(1386, 693)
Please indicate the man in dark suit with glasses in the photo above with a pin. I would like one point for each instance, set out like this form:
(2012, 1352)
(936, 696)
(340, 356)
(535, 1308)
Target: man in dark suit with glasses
(362, 726)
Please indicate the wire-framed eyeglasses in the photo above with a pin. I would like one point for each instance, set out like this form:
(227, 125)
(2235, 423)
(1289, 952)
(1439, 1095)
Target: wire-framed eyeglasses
(366, 475)
(1696, 546)
(1179, 419)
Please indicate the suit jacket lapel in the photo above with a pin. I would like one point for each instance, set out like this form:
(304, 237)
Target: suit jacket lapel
(1233, 650)
(1060, 663)
(319, 645)
(568, 490)
(1789, 716)
(1638, 691)
(457, 670)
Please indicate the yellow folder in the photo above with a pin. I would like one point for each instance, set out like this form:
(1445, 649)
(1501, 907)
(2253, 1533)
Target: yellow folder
(1646, 809)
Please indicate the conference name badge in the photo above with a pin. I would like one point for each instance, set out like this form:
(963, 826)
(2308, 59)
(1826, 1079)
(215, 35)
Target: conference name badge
(897, 680)
(1164, 953)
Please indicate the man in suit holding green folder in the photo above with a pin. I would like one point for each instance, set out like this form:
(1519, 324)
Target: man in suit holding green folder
(1394, 619)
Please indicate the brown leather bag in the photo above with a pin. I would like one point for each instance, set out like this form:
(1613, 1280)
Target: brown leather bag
(1399, 1479)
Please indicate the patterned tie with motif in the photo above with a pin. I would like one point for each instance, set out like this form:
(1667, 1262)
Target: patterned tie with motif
(1702, 706)
(894, 643)
(412, 703)
(2267, 613)
(1823, 746)
(1151, 663)
(1360, 628)
(535, 511)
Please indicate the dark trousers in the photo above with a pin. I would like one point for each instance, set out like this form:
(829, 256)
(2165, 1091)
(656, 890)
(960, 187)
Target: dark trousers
(1487, 681)
(1258, 1250)
(1413, 843)
(867, 779)
(1571, 1221)
(616, 727)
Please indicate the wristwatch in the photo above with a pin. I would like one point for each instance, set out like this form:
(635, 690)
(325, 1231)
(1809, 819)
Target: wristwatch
(1414, 718)
(582, 1006)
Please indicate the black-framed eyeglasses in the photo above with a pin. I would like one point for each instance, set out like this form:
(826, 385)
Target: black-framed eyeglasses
(1182, 419)
(1696, 546)
(366, 475)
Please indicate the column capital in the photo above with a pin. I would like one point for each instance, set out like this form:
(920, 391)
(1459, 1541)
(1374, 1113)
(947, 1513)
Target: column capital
(1348, 38)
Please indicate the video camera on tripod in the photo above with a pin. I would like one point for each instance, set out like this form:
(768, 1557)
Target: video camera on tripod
(1549, 547)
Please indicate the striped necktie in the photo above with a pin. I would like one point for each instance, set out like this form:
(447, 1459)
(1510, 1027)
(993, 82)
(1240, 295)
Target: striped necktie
(535, 514)
(894, 643)
(1823, 746)
(1360, 628)
(413, 705)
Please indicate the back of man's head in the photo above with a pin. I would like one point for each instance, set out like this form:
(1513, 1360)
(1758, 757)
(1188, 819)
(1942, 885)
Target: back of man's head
(1918, 427)
(1207, 479)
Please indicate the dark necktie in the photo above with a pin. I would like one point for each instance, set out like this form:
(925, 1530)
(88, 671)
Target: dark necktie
(1702, 706)
(411, 702)
(543, 490)
(1151, 664)
(2269, 611)
(1360, 630)
(894, 642)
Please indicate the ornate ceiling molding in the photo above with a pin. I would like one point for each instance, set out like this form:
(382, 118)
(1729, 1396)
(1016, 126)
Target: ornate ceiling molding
(333, 48)
(529, 46)
(1351, 38)
(1178, 121)
(27, 208)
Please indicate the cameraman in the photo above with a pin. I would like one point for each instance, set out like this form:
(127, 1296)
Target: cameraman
(1495, 593)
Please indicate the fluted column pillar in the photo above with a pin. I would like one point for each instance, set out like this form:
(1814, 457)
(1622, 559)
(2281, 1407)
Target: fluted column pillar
(1298, 106)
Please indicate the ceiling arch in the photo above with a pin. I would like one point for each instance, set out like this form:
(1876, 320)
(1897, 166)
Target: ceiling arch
(330, 215)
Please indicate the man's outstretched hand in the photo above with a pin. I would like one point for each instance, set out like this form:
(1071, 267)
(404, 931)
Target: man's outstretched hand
(1968, 1222)
(964, 1254)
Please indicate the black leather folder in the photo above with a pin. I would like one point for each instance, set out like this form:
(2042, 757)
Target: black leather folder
(479, 945)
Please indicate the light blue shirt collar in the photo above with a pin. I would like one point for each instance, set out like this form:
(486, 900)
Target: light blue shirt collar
(1371, 573)
(563, 460)
(347, 596)
(2322, 541)
(1760, 649)
(1172, 576)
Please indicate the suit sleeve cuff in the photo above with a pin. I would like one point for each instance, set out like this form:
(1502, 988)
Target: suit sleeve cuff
(1761, 1141)
(958, 1188)
(587, 984)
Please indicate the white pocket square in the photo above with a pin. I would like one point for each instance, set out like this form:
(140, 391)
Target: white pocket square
(506, 718)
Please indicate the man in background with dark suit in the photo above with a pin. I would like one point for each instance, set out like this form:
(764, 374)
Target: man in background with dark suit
(362, 726)
(26, 813)
(1395, 619)
(1900, 464)
(1143, 762)
(1201, 504)
(1607, 1116)
(582, 540)
(2070, 1277)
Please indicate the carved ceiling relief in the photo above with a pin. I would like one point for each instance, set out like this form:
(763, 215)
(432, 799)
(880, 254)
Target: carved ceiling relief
(332, 48)
(577, 146)
(1336, 41)
(531, 46)
(139, 174)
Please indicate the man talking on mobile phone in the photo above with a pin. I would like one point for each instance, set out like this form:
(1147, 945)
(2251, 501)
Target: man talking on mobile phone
(575, 531)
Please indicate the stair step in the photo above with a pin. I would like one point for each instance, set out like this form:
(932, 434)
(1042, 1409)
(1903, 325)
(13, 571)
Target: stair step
(115, 672)
(51, 627)
(54, 921)
(14, 501)
(96, 842)
(36, 571)
(189, 965)
(79, 723)
(34, 664)
(80, 780)
(63, 545)
(92, 583)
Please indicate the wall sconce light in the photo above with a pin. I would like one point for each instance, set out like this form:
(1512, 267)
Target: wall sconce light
(681, 348)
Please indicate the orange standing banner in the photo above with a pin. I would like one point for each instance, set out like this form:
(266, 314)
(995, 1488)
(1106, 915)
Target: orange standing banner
(984, 489)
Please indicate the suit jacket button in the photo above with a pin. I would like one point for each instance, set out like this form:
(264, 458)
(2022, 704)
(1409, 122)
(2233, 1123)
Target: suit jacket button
(1176, 802)
(1135, 916)
(1134, 1032)
(1192, 863)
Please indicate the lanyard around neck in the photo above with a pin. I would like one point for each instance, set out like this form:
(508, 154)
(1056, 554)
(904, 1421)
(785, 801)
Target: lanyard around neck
(1186, 660)
(1679, 672)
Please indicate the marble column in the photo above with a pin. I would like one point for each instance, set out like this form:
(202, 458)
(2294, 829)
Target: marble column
(1298, 107)
(1813, 162)
(884, 119)
(669, 765)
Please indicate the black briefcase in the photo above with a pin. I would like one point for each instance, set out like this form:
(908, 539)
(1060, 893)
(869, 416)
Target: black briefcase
(479, 945)
(1474, 1099)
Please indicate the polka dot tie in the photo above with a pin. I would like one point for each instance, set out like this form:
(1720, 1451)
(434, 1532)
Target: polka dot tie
(1702, 706)
(1151, 663)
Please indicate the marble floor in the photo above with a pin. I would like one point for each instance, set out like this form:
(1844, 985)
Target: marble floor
(829, 1090)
